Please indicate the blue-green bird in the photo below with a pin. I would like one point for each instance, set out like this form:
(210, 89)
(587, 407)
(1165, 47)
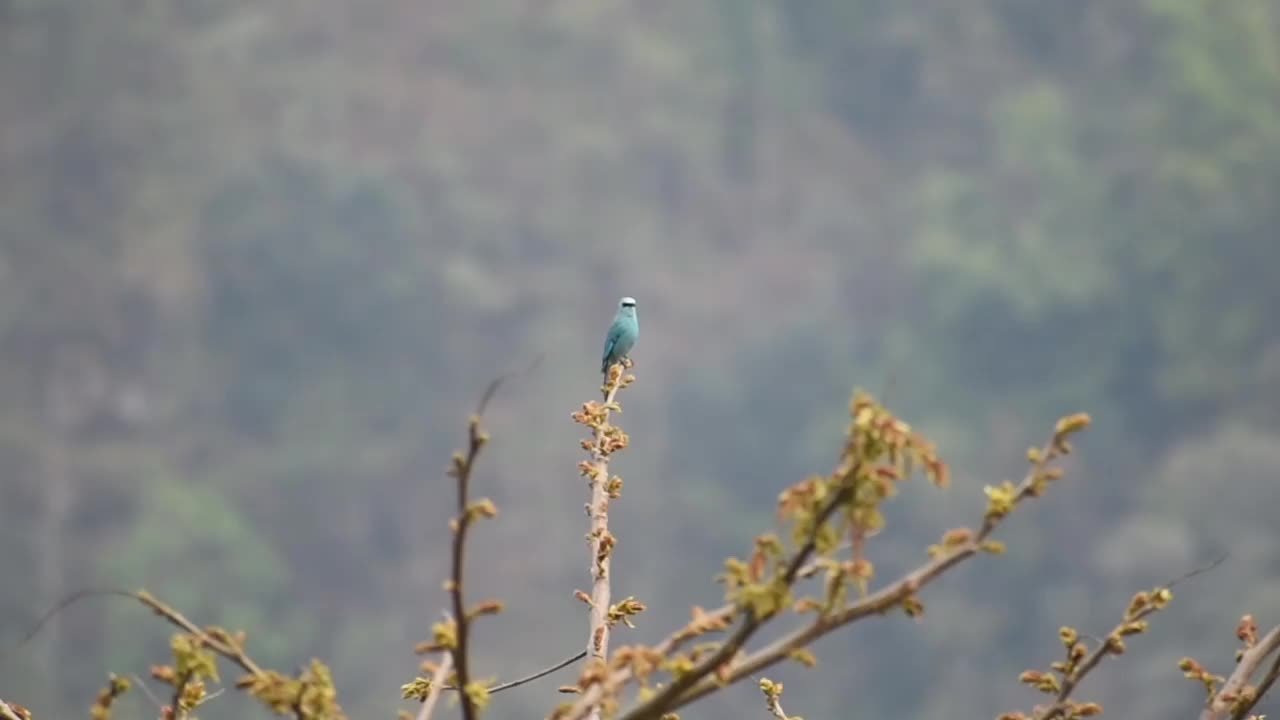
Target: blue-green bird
(622, 334)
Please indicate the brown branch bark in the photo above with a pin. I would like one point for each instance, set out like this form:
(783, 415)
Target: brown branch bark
(1227, 703)
(461, 470)
(600, 539)
(1263, 687)
(476, 439)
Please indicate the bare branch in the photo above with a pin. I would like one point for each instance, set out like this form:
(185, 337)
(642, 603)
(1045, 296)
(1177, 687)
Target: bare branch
(61, 605)
(1198, 571)
(492, 388)
(530, 678)
(540, 674)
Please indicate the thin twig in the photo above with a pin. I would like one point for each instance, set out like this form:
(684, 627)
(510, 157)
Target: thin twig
(146, 690)
(226, 649)
(540, 674)
(61, 605)
(212, 695)
(437, 681)
(1062, 703)
(1224, 703)
(463, 465)
(1106, 646)
(1198, 571)
(462, 471)
(530, 678)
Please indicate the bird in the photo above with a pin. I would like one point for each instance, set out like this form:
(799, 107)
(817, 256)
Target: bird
(622, 334)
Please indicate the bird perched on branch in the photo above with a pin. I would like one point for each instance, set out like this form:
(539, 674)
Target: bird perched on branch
(622, 334)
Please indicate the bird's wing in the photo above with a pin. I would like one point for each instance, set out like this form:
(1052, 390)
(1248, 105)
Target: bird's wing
(611, 339)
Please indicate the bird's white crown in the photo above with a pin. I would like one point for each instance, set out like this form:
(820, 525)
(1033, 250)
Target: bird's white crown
(627, 302)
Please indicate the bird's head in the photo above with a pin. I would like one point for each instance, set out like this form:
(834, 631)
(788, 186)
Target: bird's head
(627, 305)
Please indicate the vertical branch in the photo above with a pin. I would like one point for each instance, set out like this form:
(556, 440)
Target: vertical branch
(601, 541)
(452, 635)
(606, 439)
(461, 471)
(219, 641)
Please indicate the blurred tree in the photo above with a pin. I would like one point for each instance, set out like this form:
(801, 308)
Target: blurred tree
(316, 286)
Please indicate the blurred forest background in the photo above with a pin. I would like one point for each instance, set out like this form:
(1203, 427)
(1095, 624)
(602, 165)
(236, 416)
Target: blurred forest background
(259, 259)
